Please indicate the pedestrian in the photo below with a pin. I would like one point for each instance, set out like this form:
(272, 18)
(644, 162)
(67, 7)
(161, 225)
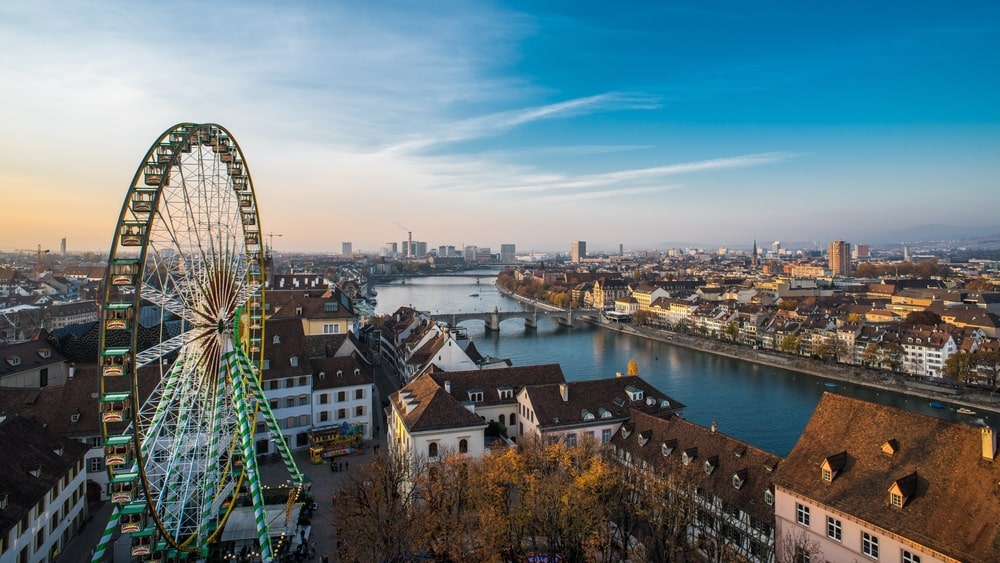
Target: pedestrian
(346, 465)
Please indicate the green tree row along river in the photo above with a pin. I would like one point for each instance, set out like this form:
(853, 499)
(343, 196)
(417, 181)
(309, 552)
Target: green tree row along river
(764, 406)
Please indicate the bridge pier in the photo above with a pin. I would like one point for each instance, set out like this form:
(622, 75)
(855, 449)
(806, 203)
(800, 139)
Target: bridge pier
(493, 322)
(532, 321)
(567, 320)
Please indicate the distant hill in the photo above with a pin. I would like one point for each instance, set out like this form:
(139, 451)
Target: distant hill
(933, 232)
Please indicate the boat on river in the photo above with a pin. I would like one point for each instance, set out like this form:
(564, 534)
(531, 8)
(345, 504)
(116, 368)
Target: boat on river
(937, 405)
(964, 410)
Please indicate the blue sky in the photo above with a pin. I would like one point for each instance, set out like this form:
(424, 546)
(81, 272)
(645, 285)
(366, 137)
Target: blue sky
(643, 124)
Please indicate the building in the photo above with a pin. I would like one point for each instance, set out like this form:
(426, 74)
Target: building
(840, 258)
(727, 485)
(426, 422)
(346, 249)
(578, 251)
(870, 482)
(507, 254)
(595, 408)
(43, 492)
(343, 388)
(492, 393)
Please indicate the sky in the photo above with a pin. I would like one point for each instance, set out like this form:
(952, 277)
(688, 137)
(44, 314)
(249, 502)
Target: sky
(645, 124)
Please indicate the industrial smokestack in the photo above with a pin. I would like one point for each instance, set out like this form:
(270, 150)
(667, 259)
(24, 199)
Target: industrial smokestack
(409, 238)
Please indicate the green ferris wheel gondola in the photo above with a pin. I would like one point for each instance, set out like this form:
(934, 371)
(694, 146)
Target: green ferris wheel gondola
(181, 332)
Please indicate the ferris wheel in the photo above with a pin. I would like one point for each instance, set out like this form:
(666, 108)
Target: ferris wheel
(182, 323)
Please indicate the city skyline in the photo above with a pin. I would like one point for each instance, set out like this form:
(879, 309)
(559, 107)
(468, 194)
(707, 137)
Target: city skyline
(469, 123)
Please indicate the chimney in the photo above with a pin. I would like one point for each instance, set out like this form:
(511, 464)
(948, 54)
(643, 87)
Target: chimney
(564, 391)
(989, 443)
(447, 387)
(715, 426)
(72, 371)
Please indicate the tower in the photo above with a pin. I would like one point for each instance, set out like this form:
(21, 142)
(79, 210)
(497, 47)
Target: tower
(840, 258)
(578, 250)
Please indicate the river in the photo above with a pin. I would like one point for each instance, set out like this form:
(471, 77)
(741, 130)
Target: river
(763, 406)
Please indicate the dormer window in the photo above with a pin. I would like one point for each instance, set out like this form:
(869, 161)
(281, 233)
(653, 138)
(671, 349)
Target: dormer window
(295, 361)
(890, 447)
(768, 497)
(710, 464)
(584, 414)
(644, 437)
(357, 371)
(666, 448)
(504, 392)
(739, 478)
(833, 465)
(475, 395)
(634, 393)
(267, 364)
(626, 431)
(45, 353)
(276, 339)
(688, 456)
(14, 360)
(603, 413)
(331, 307)
(902, 489)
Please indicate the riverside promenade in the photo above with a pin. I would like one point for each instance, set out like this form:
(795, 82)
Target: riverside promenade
(858, 375)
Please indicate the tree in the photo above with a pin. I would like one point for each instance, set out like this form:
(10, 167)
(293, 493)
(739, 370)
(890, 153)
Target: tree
(893, 354)
(444, 524)
(643, 317)
(842, 350)
(633, 367)
(928, 318)
(732, 330)
(796, 546)
(870, 357)
(960, 367)
(374, 510)
(682, 326)
(790, 344)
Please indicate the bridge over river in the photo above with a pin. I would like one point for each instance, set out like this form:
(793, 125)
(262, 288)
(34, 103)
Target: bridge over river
(493, 318)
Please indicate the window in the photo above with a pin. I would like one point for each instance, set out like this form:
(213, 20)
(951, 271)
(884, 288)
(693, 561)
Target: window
(289, 402)
(502, 420)
(341, 396)
(802, 514)
(304, 380)
(827, 474)
(303, 400)
(95, 465)
(910, 558)
(276, 339)
(432, 450)
(303, 420)
(359, 410)
(359, 393)
(833, 528)
(43, 377)
(291, 422)
(571, 439)
(330, 328)
(896, 499)
(267, 365)
(273, 403)
(324, 398)
(463, 448)
(341, 413)
(869, 545)
(295, 361)
(324, 416)
(605, 435)
(260, 427)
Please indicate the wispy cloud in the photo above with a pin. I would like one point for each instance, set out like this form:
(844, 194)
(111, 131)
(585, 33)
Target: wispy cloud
(501, 122)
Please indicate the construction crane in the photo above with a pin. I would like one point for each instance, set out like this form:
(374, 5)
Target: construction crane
(38, 259)
(270, 241)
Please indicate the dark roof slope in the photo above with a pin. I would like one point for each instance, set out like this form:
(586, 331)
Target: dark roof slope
(490, 381)
(595, 396)
(34, 460)
(425, 406)
(956, 499)
(660, 442)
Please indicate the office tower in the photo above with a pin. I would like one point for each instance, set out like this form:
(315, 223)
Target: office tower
(578, 250)
(862, 251)
(346, 249)
(469, 253)
(840, 258)
(507, 253)
(776, 247)
(406, 248)
(419, 248)
(62, 247)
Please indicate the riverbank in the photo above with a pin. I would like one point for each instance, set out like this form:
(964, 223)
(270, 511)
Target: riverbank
(873, 379)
